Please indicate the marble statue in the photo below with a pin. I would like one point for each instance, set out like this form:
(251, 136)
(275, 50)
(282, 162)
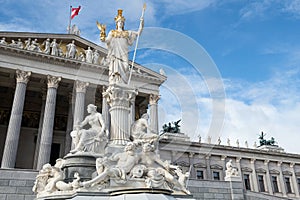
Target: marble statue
(34, 46)
(13, 44)
(51, 179)
(71, 50)
(2, 41)
(27, 43)
(93, 139)
(47, 45)
(230, 170)
(89, 55)
(219, 141)
(96, 57)
(238, 143)
(20, 44)
(125, 162)
(129, 162)
(246, 144)
(157, 167)
(228, 141)
(199, 138)
(117, 42)
(255, 145)
(209, 139)
(54, 48)
(81, 57)
(139, 131)
(74, 30)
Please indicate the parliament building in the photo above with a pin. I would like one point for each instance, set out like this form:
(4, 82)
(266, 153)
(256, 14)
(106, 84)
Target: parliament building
(44, 92)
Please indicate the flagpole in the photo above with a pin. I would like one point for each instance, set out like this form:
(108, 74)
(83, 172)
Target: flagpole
(136, 44)
(69, 27)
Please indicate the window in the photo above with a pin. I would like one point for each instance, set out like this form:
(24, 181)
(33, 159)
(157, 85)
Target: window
(288, 184)
(199, 174)
(216, 175)
(247, 182)
(275, 184)
(261, 183)
(298, 182)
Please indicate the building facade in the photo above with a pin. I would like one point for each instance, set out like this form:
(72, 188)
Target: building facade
(44, 91)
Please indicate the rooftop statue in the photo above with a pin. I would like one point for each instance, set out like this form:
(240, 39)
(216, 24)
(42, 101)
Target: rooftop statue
(172, 129)
(117, 42)
(263, 141)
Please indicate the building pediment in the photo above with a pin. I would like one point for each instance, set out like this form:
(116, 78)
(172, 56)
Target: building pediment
(261, 170)
(199, 165)
(140, 73)
(287, 173)
(183, 164)
(216, 167)
(246, 169)
(273, 171)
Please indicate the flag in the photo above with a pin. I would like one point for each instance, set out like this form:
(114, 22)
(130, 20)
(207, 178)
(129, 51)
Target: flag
(75, 11)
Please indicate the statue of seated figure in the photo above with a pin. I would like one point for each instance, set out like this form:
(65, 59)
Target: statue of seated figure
(93, 139)
(139, 131)
(230, 170)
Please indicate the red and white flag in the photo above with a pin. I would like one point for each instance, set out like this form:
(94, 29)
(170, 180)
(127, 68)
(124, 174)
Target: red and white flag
(75, 11)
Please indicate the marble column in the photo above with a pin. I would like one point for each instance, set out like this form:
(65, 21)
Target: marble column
(47, 131)
(294, 180)
(132, 112)
(208, 170)
(281, 179)
(79, 101)
(105, 110)
(238, 165)
(223, 158)
(38, 140)
(153, 99)
(14, 126)
(254, 176)
(118, 97)
(68, 139)
(268, 177)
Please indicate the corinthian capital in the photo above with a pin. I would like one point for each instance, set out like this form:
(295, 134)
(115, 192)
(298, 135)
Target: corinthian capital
(53, 81)
(153, 99)
(81, 86)
(22, 76)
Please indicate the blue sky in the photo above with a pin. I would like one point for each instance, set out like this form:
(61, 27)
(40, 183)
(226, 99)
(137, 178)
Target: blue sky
(253, 48)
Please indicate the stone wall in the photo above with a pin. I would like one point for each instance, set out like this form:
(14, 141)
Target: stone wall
(259, 196)
(16, 184)
(218, 190)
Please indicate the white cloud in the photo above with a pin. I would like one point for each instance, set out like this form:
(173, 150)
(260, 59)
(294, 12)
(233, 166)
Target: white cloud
(272, 106)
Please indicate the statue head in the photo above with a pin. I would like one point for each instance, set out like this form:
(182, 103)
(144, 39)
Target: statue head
(130, 146)
(120, 20)
(147, 147)
(145, 116)
(91, 108)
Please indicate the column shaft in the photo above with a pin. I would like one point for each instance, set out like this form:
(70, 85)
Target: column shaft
(79, 102)
(254, 177)
(153, 99)
(105, 112)
(68, 139)
(14, 126)
(47, 131)
(38, 140)
(294, 180)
